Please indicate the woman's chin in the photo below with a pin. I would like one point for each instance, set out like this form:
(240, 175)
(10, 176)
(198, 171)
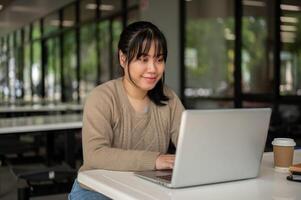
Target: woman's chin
(148, 87)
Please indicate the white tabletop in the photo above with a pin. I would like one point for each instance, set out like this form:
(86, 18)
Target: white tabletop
(126, 186)
(40, 123)
(41, 108)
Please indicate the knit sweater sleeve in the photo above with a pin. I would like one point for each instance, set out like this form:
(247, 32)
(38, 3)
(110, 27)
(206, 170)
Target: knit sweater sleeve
(177, 108)
(97, 137)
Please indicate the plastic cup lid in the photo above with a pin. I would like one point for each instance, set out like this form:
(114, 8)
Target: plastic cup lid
(284, 142)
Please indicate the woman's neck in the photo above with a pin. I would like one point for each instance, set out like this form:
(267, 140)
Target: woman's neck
(133, 91)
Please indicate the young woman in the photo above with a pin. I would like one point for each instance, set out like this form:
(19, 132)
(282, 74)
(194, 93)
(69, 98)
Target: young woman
(128, 122)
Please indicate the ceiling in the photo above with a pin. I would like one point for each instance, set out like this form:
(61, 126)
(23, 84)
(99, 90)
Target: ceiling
(17, 13)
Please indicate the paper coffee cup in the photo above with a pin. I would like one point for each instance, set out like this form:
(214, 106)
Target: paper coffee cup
(283, 149)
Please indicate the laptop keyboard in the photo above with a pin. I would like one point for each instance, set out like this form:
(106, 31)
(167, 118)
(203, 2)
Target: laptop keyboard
(165, 177)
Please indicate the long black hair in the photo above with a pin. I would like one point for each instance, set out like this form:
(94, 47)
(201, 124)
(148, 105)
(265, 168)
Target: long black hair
(135, 41)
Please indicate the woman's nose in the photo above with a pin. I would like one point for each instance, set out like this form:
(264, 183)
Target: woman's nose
(151, 66)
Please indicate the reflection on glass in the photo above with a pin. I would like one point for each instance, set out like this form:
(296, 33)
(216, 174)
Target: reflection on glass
(88, 70)
(69, 67)
(291, 48)
(256, 73)
(209, 50)
(36, 72)
(53, 75)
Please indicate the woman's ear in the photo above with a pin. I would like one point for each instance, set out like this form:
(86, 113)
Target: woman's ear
(122, 59)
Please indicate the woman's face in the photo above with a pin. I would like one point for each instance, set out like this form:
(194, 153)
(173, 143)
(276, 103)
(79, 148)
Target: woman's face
(145, 71)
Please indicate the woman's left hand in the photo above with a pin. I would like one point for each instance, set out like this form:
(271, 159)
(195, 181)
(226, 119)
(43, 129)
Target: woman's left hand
(165, 161)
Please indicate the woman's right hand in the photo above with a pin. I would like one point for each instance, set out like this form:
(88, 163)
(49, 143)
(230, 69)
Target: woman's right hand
(165, 161)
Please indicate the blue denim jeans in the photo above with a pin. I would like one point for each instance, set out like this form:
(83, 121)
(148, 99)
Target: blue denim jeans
(79, 193)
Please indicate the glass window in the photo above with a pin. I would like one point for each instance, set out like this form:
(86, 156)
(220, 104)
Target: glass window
(88, 70)
(51, 23)
(11, 69)
(104, 44)
(69, 17)
(87, 10)
(109, 7)
(69, 67)
(207, 104)
(36, 72)
(133, 3)
(257, 71)
(3, 71)
(6, 71)
(27, 33)
(116, 31)
(290, 56)
(18, 50)
(18, 39)
(209, 50)
(27, 81)
(27, 74)
(133, 12)
(256, 104)
(53, 74)
(36, 30)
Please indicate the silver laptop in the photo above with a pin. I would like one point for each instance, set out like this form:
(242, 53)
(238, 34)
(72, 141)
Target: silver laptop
(216, 146)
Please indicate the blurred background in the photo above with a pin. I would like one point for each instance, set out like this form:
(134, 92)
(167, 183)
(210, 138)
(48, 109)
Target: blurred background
(222, 54)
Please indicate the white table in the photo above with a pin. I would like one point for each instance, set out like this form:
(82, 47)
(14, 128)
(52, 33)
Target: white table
(33, 110)
(48, 124)
(40, 123)
(126, 186)
(41, 108)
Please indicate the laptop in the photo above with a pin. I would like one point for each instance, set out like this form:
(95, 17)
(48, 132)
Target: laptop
(216, 146)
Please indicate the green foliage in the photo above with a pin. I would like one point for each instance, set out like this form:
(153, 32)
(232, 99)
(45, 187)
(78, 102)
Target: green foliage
(207, 36)
(254, 34)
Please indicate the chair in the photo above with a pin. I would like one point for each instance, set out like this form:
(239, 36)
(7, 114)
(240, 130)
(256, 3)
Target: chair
(44, 181)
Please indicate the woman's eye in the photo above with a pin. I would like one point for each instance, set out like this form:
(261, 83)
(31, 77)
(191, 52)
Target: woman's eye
(160, 60)
(143, 59)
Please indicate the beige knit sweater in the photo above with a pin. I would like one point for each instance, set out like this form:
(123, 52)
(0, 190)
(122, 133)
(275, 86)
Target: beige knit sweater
(116, 137)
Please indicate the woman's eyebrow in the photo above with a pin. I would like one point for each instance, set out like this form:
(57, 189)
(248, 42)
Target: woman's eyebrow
(156, 55)
(159, 55)
(143, 54)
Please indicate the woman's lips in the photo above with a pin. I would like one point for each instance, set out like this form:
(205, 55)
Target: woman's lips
(150, 79)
